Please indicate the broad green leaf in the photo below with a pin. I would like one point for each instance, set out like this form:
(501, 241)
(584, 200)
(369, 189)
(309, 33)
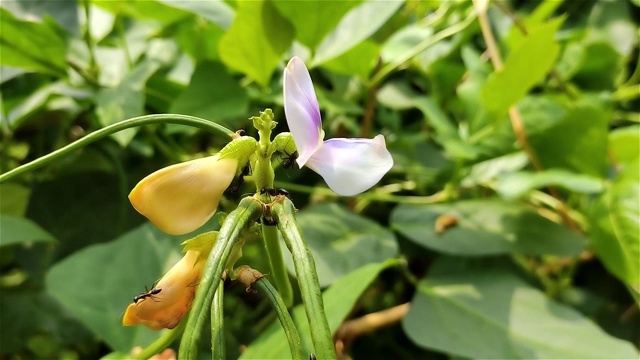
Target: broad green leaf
(624, 144)
(97, 283)
(216, 11)
(479, 312)
(64, 13)
(29, 315)
(612, 21)
(485, 227)
(199, 39)
(517, 184)
(16, 230)
(399, 96)
(213, 94)
(256, 41)
(525, 66)
(32, 46)
(601, 67)
(83, 208)
(146, 10)
(342, 241)
(404, 40)
(615, 230)
(38, 99)
(485, 172)
(359, 24)
(15, 198)
(578, 142)
(358, 61)
(338, 299)
(125, 100)
(314, 19)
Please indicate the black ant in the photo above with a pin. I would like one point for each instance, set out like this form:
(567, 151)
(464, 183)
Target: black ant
(149, 294)
(274, 192)
(290, 159)
(235, 187)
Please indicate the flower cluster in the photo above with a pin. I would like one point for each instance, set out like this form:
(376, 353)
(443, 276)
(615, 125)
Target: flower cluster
(181, 198)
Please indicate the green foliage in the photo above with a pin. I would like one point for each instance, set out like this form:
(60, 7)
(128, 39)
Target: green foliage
(507, 237)
(513, 319)
(342, 242)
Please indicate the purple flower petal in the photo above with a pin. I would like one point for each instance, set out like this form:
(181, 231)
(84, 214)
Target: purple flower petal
(351, 166)
(301, 110)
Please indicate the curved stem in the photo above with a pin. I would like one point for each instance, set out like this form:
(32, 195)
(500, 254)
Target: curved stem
(248, 209)
(125, 124)
(162, 342)
(450, 31)
(217, 324)
(284, 212)
(290, 330)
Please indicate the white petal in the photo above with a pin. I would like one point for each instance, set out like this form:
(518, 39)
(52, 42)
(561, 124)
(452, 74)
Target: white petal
(351, 166)
(301, 110)
(180, 198)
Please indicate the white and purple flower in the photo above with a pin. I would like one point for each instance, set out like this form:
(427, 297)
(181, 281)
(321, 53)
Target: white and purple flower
(349, 166)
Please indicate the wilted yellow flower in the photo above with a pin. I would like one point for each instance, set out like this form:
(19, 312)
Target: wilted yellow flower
(180, 198)
(177, 288)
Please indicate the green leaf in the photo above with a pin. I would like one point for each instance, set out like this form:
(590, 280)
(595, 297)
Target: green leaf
(525, 66)
(82, 208)
(212, 94)
(29, 315)
(485, 227)
(314, 19)
(17, 230)
(15, 198)
(600, 68)
(515, 185)
(32, 46)
(125, 100)
(97, 283)
(399, 96)
(216, 11)
(359, 24)
(256, 41)
(333, 234)
(624, 144)
(478, 312)
(338, 300)
(615, 231)
(358, 61)
(578, 142)
(403, 41)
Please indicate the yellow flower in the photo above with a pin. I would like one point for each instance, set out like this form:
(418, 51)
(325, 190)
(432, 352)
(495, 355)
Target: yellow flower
(166, 307)
(180, 198)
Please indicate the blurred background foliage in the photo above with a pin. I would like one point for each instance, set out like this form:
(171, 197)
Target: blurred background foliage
(504, 233)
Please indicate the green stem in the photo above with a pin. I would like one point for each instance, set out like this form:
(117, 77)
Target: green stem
(284, 212)
(279, 271)
(217, 324)
(247, 210)
(162, 342)
(450, 31)
(290, 330)
(125, 124)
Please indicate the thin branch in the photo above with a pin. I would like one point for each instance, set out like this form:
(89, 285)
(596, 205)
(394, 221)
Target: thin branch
(514, 114)
(352, 329)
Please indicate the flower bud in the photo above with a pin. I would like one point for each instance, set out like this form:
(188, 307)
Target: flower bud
(180, 198)
(177, 289)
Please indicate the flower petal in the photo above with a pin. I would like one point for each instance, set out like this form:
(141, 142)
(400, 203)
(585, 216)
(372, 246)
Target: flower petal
(351, 166)
(177, 290)
(301, 110)
(180, 198)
